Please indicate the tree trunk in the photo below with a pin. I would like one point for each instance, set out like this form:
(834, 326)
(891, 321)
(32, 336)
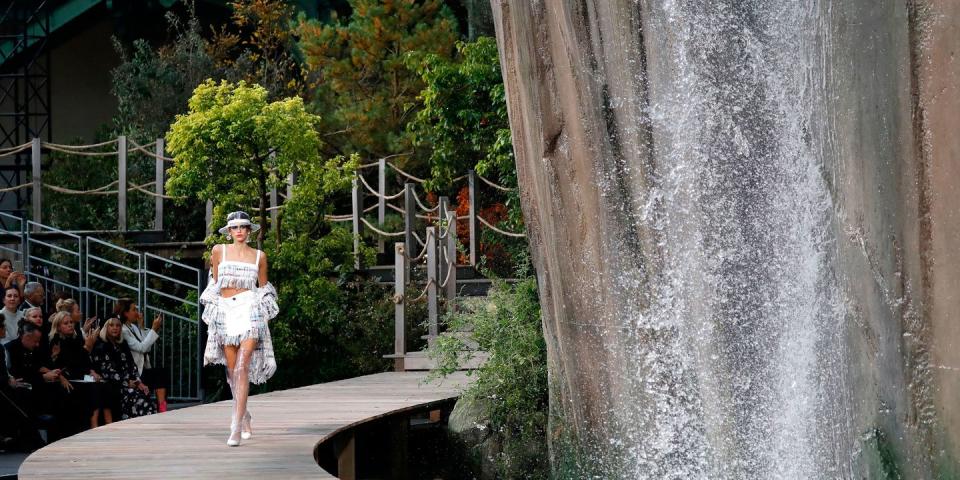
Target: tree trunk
(734, 210)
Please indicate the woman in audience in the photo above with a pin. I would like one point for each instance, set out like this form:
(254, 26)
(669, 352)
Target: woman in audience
(70, 306)
(69, 354)
(11, 317)
(10, 278)
(113, 359)
(140, 341)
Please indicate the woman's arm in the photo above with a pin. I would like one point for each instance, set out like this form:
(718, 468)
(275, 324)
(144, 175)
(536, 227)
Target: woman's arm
(142, 346)
(215, 260)
(263, 269)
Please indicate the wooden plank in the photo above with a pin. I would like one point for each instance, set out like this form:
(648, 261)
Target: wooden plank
(122, 183)
(191, 442)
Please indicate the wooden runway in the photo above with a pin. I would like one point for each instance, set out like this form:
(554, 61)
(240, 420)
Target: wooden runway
(191, 442)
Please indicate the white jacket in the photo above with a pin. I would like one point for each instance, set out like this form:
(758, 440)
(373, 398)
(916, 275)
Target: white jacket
(140, 344)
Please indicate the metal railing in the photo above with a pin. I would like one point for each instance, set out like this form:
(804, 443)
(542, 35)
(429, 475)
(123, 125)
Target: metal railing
(96, 273)
(173, 289)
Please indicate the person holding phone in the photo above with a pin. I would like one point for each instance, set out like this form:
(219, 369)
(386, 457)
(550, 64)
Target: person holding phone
(141, 340)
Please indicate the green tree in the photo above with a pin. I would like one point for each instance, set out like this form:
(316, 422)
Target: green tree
(464, 116)
(233, 146)
(259, 46)
(367, 90)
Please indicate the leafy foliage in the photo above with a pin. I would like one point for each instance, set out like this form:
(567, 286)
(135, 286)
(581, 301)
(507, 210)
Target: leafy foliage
(234, 144)
(152, 86)
(366, 89)
(464, 116)
(512, 384)
(259, 46)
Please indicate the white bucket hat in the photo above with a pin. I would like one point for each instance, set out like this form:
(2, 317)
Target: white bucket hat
(238, 219)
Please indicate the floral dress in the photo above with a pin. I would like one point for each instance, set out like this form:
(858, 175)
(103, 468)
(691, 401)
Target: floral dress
(114, 362)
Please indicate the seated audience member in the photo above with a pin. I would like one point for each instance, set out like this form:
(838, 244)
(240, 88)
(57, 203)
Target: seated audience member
(77, 375)
(69, 305)
(11, 300)
(33, 315)
(17, 428)
(113, 360)
(141, 340)
(33, 296)
(11, 278)
(28, 361)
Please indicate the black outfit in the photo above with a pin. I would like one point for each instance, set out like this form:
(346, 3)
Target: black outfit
(115, 363)
(74, 363)
(18, 421)
(46, 400)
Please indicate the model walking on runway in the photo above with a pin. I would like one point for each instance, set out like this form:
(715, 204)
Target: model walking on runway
(238, 303)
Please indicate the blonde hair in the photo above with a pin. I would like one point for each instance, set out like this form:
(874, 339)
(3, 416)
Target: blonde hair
(27, 311)
(65, 305)
(103, 329)
(55, 320)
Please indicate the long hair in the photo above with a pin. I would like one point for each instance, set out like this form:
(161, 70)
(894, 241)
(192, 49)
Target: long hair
(103, 330)
(55, 320)
(123, 306)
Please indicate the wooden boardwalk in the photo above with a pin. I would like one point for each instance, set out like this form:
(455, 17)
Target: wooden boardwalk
(191, 442)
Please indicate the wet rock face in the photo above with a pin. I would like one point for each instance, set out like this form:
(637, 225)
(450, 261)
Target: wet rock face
(741, 242)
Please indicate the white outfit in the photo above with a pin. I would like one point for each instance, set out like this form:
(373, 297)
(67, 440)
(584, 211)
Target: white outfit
(140, 344)
(10, 320)
(232, 320)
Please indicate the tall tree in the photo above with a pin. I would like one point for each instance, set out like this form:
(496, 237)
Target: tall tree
(233, 145)
(367, 90)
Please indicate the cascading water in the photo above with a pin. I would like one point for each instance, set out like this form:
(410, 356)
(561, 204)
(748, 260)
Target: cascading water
(748, 289)
(733, 223)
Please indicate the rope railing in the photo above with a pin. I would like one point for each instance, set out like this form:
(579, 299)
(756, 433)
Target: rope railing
(405, 174)
(143, 149)
(380, 232)
(93, 191)
(6, 152)
(17, 187)
(502, 232)
(61, 149)
(80, 147)
(494, 185)
(376, 193)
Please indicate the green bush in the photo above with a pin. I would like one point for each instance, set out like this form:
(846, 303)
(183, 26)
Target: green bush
(512, 385)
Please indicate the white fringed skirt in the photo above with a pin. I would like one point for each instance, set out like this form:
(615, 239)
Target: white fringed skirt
(234, 319)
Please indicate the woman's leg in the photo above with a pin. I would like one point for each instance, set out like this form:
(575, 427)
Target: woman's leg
(241, 377)
(161, 398)
(107, 416)
(95, 419)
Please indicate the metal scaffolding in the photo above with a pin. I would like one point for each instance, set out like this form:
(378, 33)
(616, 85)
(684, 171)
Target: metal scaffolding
(24, 89)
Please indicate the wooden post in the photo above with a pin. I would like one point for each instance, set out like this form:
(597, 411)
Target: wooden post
(122, 183)
(158, 176)
(444, 207)
(409, 221)
(451, 292)
(346, 457)
(399, 441)
(37, 194)
(208, 217)
(291, 179)
(432, 283)
(472, 221)
(381, 202)
(357, 225)
(399, 310)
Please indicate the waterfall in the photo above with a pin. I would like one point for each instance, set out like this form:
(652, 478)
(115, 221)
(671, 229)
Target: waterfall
(748, 287)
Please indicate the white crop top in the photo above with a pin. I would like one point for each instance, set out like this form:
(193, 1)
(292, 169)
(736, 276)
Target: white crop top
(235, 274)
